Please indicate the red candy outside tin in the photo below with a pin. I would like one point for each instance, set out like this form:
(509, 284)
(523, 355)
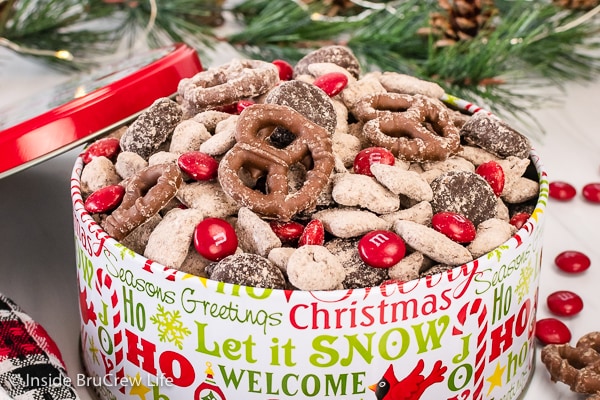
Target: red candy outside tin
(564, 303)
(572, 262)
(77, 111)
(562, 191)
(591, 192)
(552, 331)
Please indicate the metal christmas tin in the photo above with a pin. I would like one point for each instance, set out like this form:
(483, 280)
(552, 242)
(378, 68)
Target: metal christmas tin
(150, 331)
(87, 106)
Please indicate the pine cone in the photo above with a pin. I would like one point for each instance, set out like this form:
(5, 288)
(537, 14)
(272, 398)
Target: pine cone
(460, 20)
(577, 4)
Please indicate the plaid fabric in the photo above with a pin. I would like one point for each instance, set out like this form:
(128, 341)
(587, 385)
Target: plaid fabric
(31, 367)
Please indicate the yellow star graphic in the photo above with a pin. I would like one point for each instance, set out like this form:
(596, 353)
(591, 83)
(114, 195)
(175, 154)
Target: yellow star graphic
(137, 387)
(94, 350)
(496, 378)
(191, 276)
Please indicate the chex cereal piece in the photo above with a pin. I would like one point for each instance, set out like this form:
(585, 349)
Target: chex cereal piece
(363, 191)
(490, 234)
(163, 157)
(188, 136)
(280, 257)
(98, 173)
(349, 222)
(399, 181)
(129, 163)
(210, 119)
(137, 240)
(420, 213)
(313, 267)
(409, 267)
(254, 234)
(401, 83)
(432, 243)
(208, 197)
(223, 139)
(174, 233)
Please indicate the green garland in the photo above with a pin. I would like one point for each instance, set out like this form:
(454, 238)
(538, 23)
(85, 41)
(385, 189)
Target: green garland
(531, 44)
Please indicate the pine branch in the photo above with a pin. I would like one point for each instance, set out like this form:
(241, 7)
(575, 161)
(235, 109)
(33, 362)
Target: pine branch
(284, 29)
(50, 25)
(188, 21)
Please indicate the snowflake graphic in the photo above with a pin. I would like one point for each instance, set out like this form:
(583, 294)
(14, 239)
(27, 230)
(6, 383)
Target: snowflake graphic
(170, 326)
(522, 287)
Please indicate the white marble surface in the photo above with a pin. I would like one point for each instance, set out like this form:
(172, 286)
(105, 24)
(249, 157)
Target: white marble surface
(37, 263)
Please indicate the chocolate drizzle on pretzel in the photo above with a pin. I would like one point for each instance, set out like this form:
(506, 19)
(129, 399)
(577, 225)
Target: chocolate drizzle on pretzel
(146, 193)
(578, 367)
(256, 155)
(414, 128)
(225, 85)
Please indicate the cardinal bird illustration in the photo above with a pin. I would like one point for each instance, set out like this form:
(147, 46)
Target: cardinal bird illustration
(409, 388)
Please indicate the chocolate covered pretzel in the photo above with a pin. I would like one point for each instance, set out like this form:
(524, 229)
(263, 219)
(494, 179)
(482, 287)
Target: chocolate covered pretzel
(146, 193)
(219, 86)
(578, 367)
(254, 154)
(414, 128)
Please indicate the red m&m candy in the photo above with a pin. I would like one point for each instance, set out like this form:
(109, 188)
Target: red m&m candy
(552, 331)
(313, 233)
(372, 155)
(564, 303)
(493, 173)
(215, 239)
(519, 219)
(572, 261)
(331, 83)
(591, 192)
(286, 71)
(287, 231)
(108, 147)
(561, 191)
(455, 226)
(243, 104)
(381, 249)
(199, 166)
(105, 199)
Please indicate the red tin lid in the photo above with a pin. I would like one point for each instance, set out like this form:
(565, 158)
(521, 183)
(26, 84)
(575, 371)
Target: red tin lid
(70, 114)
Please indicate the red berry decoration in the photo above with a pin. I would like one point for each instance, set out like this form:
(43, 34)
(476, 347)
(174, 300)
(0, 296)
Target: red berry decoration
(454, 225)
(493, 173)
(199, 166)
(215, 239)
(519, 219)
(286, 71)
(105, 199)
(108, 147)
(243, 104)
(562, 191)
(591, 192)
(572, 261)
(287, 231)
(331, 83)
(381, 249)
(552, 331)
(372, 155)
(313, 233)
(564, 303)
